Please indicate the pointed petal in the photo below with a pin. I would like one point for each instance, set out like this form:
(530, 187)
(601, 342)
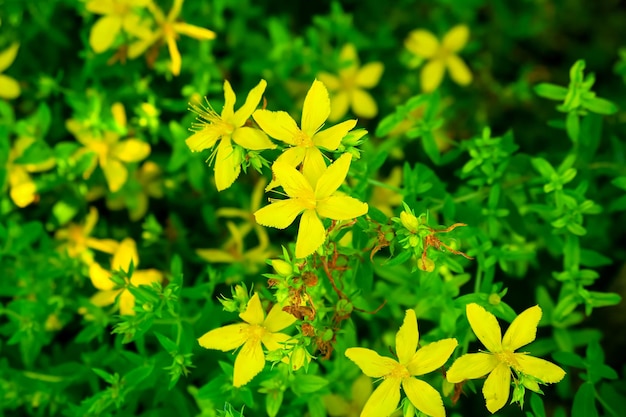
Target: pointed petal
(249, 363)
(227, 165)
(431, 75)
(349, 59)
(90, 221)
(131, 150)
(407, 337)
(22, 192)
(292, 156)
(225, 338)
(497, 387)
(292, 181)
(103, 32)
(100, 278)
(253, 139)
(311, 234)
(146, 277)
(431, 357)
(456, 38)
(384, 399)
(316, 108)
(279, 214)
(252, 102)
(471, 366)
(277, 319)
(339, 105)
(278, 124)
(193, 31)
(273, 341)
(115, 174)
(9, 88)
(127, 303)
(370, 362)
(103, 245)
(459, 71)
(485, 327)
(545, 371)
(104, 298)
(125, 253)
(424, 397)
(331, 81)
(330, 138)
(333, 177)
(228, 111)
(254, 313)
(174, 54)
(8, 56)
(363, 104)
(422, 43)
(216, 256)
(313, 165)
(340, 207)
(523, 329)
(369, 74)
(203, 139)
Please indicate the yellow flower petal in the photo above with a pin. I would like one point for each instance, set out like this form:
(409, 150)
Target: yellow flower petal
(127, 303)
(24, 190)
(125, 253)
(193, 31)
(100, 6)
(363, 104)
(330, 138)
(100, 278)
(331, 81)
(278, 124)
(431, 356)
(369, 74)
(422, 43)
(349, 58)
(370, 362)
(251, 138)
(424, 397)
(103, 32)
(311, 234)
(277, 319)
(497, 387)
(227, 165)
(228, 111)
(119, 114)
(203, 139)
(485, 327)
(292, 156)
(131, 150)
(146, 277)
(544, 371)
(8, 56)
(313, 165)
(279, 214)
(523, 329)
(333, 177)
(225, 338)
(292, 181)
(407, 337)
(252, 102)
(104, 298)
(339, 105)
(102, 245)
(316, 108)
(9, 88)
(341, 208)
(471, 366)
(459, 71)
(250, 361)
(273, 341)
(384, 399)
(216, 256)
(456, 38)
(254, 313)
(115, 174)
(431, 75)
(139, 47)
(174, 54)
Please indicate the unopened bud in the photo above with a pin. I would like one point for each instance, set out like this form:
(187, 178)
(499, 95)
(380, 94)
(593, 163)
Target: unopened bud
(409, 221)
(282, 268)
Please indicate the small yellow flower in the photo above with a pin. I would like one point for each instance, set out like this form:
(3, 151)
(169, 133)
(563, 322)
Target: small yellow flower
(118, 16)
(501, 358)
(306, 141)
(348, 88)
(228, 127)
(168, 31)
(9, 88)
(440, 56)
(76, 239)
(22, 188)
(256, 330)
(150, 184)
(111, 153)
(315, 199)
(125, 252)
(395, 373)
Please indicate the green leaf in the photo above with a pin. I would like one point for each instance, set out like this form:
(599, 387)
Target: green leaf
(273, 401)
(584, 402)
(619, 182)
(308, 384)
(569, 359)
(572, 126)
(543, 167)
(104, 375)
(600, 106)
(550, 91)
(167, 343)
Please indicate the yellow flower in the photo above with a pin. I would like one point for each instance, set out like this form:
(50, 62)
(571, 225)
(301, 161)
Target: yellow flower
(168, 31)
(315, 199)
(150, 184)
(305, 141)
(118, 15)
(348, 88)
(111, 153)
(256, 330)
(395, 373)
(125, 252)
(23, 190)
(76, 239)
(229, 127)
(441, 56)
(9, 88)
(501, 357)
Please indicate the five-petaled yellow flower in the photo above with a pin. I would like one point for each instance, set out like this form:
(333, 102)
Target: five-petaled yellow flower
(305, 141)
(348, 88)
(501, 358)
(314, 199)
(123, 254)
(9, 88)
(256, 330)
(227, 128)
(118, 15)
(440, 56)
(395, 373)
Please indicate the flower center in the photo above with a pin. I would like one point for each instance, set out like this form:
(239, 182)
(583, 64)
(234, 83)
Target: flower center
(507, 357)
(121, 8)
(398, 372)
(255, 332)
(207, 117)
(302, 139)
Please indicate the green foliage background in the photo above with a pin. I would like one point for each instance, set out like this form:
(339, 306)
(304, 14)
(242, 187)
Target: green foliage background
(536, 171)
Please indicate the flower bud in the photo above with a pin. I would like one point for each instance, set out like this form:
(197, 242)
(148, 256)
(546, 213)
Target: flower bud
(282, 268)
(409, 221)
